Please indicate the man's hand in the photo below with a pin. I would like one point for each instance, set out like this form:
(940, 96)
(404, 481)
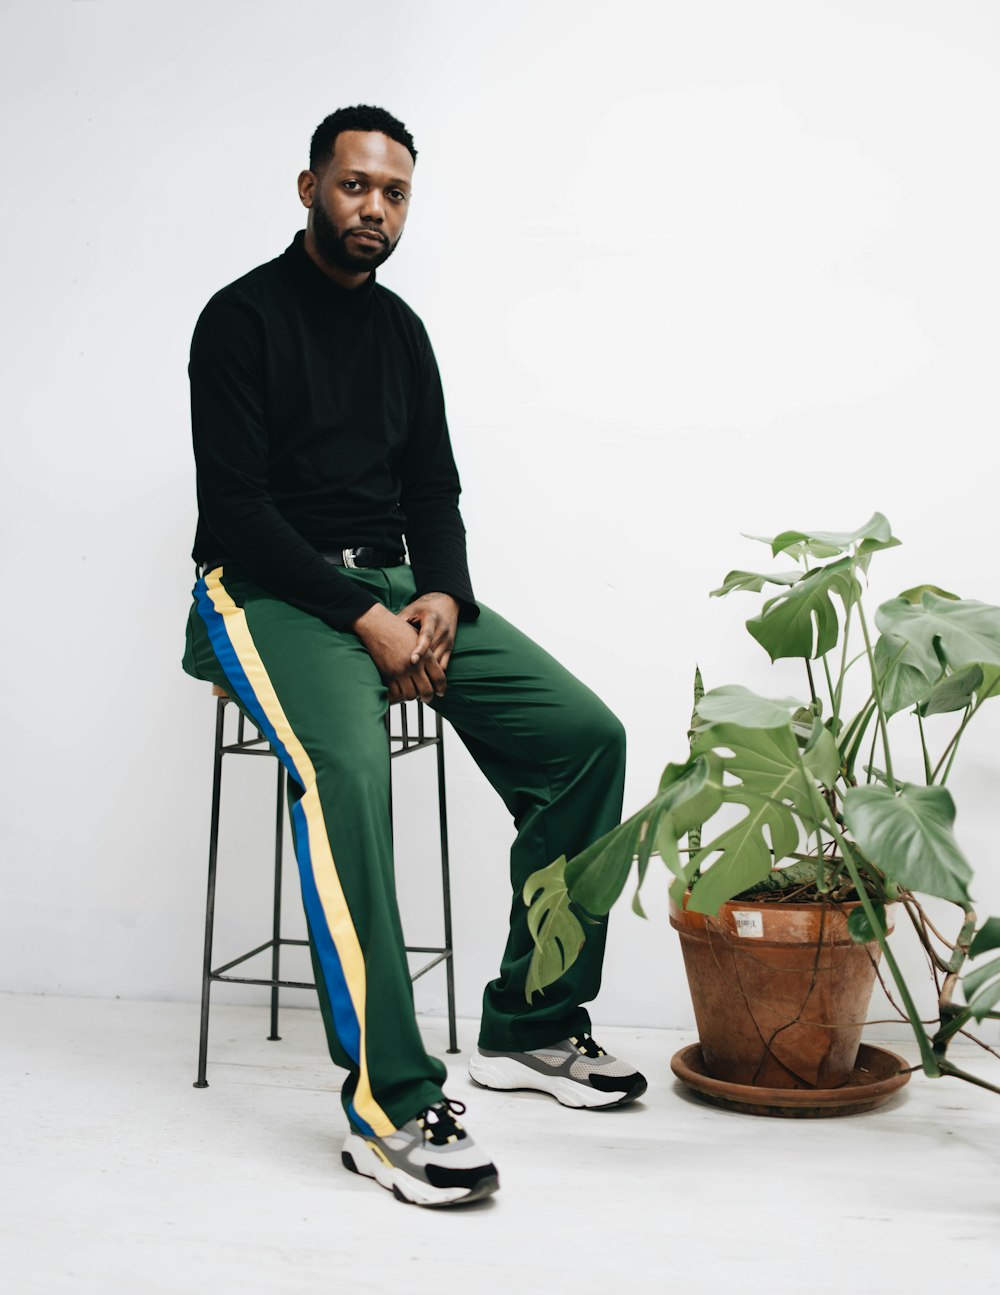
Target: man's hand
(436, 618)
(393, 645)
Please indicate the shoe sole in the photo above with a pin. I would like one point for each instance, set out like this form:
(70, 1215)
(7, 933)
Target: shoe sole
(508, 1075)
(359, 1157)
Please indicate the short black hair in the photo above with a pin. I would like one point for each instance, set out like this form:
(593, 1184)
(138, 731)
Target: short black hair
(362, 116)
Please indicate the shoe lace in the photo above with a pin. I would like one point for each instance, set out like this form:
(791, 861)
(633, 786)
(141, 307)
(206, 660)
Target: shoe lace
(584, 1043)
(439, 1124)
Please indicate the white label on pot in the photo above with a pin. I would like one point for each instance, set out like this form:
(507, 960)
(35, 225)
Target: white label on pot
(749, 925)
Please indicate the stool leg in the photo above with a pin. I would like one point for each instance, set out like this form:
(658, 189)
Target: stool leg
(213, 853)
(279, 835)
(388, 738)
(449, 962)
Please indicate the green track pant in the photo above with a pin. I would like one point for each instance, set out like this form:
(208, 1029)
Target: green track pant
(552, 750)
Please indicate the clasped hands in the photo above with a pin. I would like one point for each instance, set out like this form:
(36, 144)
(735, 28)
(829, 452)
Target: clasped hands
(411, 648)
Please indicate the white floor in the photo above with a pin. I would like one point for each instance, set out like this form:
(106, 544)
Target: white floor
(119, 1176)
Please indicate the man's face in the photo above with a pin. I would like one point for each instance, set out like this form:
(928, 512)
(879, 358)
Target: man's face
(359, 200)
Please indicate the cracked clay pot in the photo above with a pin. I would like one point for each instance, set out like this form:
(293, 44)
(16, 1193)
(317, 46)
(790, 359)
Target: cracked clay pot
(780, 991)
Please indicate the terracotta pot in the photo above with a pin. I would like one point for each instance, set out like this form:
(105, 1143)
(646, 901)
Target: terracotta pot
(780, 991)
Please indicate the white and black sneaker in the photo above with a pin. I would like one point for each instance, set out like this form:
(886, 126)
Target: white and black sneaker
(431, 1160)
(576, 1071)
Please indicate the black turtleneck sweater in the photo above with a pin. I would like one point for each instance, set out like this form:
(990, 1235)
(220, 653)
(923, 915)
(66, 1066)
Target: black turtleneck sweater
(319, 425)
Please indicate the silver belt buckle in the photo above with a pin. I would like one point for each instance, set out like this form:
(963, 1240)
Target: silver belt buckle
(348, 556)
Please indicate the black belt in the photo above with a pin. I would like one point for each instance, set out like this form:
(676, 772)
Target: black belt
(352, 558)
(365, 557)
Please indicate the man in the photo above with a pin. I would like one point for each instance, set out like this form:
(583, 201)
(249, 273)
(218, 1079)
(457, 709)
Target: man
(320, 440)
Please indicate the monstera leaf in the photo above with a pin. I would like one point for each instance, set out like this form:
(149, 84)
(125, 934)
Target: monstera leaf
(802, 621)
(902, 683)
(942, 631)
(990, 687)
(986, 938)
(555, 929)
(981, 988)
(734, 704)
(936, 651)
(954, 692)
(909, 837)
(754, 581)
(875, 534)
(775, 783)
(688, 795)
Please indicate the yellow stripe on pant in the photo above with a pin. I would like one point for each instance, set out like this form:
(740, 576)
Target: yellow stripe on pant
(238, 655)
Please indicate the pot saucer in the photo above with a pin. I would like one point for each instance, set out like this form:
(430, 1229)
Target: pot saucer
(877, 1074)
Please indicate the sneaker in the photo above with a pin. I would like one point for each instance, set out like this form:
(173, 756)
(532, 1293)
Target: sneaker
(577, 1072)
(431, 1160)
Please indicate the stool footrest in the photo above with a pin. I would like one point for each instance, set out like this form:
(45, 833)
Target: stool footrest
(441, 951)
(281, 984)
(442, 955)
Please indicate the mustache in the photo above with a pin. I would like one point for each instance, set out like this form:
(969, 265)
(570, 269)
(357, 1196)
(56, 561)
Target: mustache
(366, 229)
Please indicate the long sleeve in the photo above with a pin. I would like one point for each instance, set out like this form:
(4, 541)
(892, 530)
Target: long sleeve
(231, 446)
(429, 493)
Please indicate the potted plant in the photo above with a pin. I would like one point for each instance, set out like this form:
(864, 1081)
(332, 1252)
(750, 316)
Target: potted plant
(786, 910)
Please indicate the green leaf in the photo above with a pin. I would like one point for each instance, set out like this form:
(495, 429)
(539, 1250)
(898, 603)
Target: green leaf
(915, 594)
(805, 549)
(689, 794)
(909, 838)
(754, 581)
(821, 756)
(860, 929)
(691, 804)
(986, 938)
(734, 704)
(802, 622)
(744, 853)
(850, 743)
(954, 692)
(875, 534)
(985, 1001)
(990, 687)
(770, 782)
(943, 631)
(647, 839)
(557, 933)
(903, 684)
(597, 876)
(974, 980)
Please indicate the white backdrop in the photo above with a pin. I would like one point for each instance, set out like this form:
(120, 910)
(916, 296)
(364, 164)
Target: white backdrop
(690, 270)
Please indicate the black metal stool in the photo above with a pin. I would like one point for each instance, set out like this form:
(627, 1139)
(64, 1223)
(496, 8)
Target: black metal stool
(402, 741)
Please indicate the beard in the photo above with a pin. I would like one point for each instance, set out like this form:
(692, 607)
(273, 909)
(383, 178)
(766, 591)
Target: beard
(332, 243)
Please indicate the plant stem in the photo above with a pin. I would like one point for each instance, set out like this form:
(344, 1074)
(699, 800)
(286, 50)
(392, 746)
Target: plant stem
(952, 1017)
(928, 774)
(946, 1068)
(871, 757)
(812, 686)
(814, 800)
(839, 694)
(694, 833)
(877, 690)
(919, 922)
(952, 748)
(967, 1034)
(829, 684)
(931, 1063)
